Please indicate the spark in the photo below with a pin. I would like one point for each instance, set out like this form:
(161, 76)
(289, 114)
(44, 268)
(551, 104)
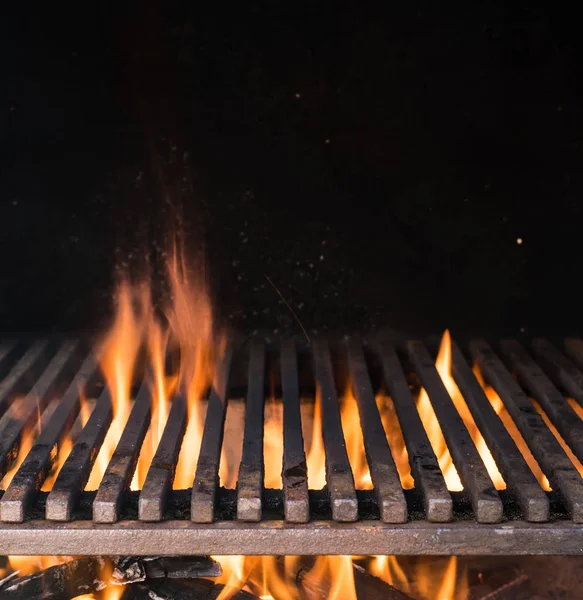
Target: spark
(290, 308)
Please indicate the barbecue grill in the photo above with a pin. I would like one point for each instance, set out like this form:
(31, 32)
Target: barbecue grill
(208, 519)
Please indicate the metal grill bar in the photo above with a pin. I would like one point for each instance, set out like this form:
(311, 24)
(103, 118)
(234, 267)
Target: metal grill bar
(122, 465)
(206, 480)
(39, 461)
(77, 468)
(161, 473)
(294, 475)
(466, 458)
(517, 475)
(543, 445)
(339, 477)
(560, 369)
(539, 385)
(251, 471)
(383, 470)
(23, 375)
(276, 537)
(422, 459)
(250, 519)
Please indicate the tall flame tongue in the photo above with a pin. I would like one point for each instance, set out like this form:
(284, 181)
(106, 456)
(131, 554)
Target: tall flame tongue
(120, 352)
(191, 323)
(136, 329)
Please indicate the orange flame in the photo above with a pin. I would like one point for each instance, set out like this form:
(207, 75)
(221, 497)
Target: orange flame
(120, 353)
(273, 578)
(232, 451)
(390, 571)
(339, 572)
(191, 323)
(273, 444)
(449, 587)
(63, 453)
(396, 440)
(190, 326)
(260, 574)
(508, 422)
(354, 442)
(162, 388)
(315, 454)
(27, 565)
(433, 428)
(278, 578)
(428, 577)
(576, 407)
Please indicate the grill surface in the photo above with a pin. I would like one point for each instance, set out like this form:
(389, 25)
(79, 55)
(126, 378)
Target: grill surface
(48, 377)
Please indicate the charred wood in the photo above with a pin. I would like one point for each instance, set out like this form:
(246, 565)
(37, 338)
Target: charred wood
(133, 569)
(61, 582)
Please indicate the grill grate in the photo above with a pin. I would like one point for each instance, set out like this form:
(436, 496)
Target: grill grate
(295, 520)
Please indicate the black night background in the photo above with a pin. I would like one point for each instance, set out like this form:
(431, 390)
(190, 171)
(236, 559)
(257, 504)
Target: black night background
(409, 165)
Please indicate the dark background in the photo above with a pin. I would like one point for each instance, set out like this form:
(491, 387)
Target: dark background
(377, 164)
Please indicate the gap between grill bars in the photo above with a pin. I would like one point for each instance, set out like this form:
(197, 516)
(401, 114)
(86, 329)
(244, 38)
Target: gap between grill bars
(536, 389)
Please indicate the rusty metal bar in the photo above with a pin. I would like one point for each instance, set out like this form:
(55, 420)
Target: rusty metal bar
(206, 479)
(467, 460)
(21, 417)
(294, 475)
(542, 443)
(75, 472)
(561, 370)
(532, 377)
(251, 469)
(424, 466)
(276, 537)
(23, 375)
(339, 479)
(161, 473)
(517, 474)
(121, 467)
(38, 463)
(383, 470)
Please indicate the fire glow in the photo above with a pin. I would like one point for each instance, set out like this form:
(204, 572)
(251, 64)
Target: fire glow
(186, 329)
